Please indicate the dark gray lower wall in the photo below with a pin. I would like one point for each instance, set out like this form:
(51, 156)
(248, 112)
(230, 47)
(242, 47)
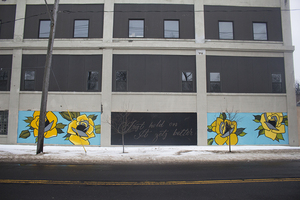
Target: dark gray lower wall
(245, 74)
(68, 72)
(154, 73)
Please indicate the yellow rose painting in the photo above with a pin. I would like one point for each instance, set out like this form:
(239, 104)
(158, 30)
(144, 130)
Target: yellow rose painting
(272, 125)
(227, 131)
(81, 130)
(50, 124)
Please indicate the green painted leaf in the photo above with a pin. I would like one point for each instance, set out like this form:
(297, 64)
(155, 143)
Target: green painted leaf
(210, 141)
(36, 139)
(24, 134)
(279, 136)
(223, 116)
(93, 117)
(242, 134)
(61, 126)
(239, 131)
(29, 120)
(67, 138)
(260, 128)
(98, 129)
(59, 131)
(261, 132)
(209, 127)
(286, 122)
(257, 118)
(67, 135)
(66, 116)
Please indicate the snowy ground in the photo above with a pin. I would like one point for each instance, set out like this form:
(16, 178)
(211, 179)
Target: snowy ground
(144, 155)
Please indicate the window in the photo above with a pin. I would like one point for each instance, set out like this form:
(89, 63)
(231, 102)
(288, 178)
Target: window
(171, 29)
(29, 80)
(260, 31)
(3, 122)
(226, 30)
(93, 80)
(0, 27)
(44, 31)
(136, 28)
(3, 80)
(81, 28)
(187, 81)
(215, 82)
(121, 81)
(276, 83)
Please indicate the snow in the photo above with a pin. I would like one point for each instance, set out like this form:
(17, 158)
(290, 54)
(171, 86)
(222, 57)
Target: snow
(144, 154)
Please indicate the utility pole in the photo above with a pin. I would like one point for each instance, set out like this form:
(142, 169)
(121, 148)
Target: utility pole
(40, 143)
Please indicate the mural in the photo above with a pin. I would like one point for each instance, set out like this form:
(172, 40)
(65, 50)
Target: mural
(61, 127)
(247, 128)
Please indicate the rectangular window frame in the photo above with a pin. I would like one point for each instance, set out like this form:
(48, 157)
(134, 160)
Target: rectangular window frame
(266, 34)
(32, 81)
(121, 83)
(88, 28)
(129, 32)
(3, 122)
(277, 84)
(41, 35)
(172, 20)
(222, 33)
(2, 80)
(187, 85)
(96, 82)
(212, 82)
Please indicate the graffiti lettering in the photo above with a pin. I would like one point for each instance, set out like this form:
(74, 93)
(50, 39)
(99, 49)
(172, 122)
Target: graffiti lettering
(160, 124)
(184, 132)
(161, 134)
(142, 134)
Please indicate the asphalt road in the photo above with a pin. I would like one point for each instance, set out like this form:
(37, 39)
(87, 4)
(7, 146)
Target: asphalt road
(212, 180)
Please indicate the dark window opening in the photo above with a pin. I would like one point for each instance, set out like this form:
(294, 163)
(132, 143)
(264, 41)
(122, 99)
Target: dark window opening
(187, 81)
(215, 82)
(3, 80)
(171, 29)
(276, 83)
(29, 80)
(93, 80)
(3, 122)
(81, 28)
(44, 30)
(260, 31)
(121, 81)
(136, 28)
(226, 30)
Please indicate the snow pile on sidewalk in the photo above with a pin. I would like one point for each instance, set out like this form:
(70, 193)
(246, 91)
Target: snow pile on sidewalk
(144, 155)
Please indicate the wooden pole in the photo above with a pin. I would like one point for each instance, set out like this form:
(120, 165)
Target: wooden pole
(40, 143)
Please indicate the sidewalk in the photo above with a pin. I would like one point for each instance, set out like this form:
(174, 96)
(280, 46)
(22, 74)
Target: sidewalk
(144, 155)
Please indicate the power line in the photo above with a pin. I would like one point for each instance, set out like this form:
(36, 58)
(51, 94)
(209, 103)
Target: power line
(153, 11)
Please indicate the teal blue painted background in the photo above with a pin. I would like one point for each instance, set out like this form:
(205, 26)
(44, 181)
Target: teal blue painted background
(251, 138)
(22, 125)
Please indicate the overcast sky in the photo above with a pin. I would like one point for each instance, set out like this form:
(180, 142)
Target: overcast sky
(295, 17)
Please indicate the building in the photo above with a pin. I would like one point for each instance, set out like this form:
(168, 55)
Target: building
(188, 72)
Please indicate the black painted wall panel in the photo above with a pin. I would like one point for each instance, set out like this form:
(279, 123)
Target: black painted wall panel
(7, 17)
(65, 20)
(154, 16)
(245, 74)
(242, 18)
(157, 129)
(154, 73)
(68, 72)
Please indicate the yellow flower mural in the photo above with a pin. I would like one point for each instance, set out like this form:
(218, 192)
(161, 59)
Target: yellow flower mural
(272, 125)
(81, 130)
(227, 131)
(50, 124)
